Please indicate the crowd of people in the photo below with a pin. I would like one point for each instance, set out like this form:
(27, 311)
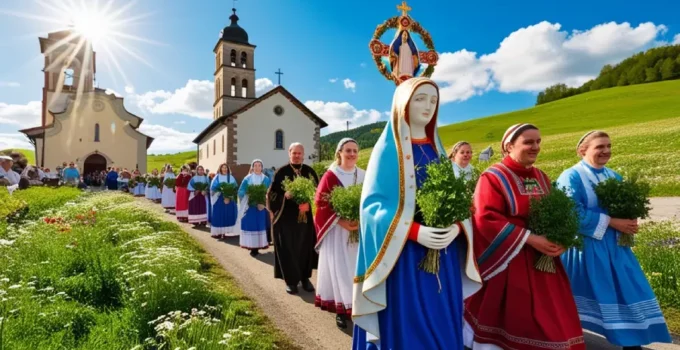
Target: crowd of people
(17, 173)
(487, 294)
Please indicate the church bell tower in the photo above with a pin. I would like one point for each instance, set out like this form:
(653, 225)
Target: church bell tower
(234, 69)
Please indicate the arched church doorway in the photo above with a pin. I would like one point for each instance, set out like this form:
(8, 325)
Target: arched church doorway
(94, 163)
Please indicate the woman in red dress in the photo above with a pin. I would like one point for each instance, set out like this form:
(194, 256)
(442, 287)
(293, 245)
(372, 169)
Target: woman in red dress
(518, 306)
(182, 198)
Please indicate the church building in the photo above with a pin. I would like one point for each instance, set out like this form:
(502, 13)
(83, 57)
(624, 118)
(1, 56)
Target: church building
(81, 123)
(244, 127)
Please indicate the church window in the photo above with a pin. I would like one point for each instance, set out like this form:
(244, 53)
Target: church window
(214, 146)
(207, 150)
(96, 132)
(244, 59)
(200, 154)
(68, 77)
(233, 86)
(233, 58)
(279, 139)
(222, 143)
(244, 88)
(218, 90)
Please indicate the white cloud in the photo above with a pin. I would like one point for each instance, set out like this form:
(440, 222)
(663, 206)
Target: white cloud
(263, 85)
(337, 114)
(195, 99)
(168, 140)
(112, 92)
(537, 56)
(676, 39)
(350, 85)
(22, 116)
(129, 89)
(14, 140)
(333, 80)
(9, 84)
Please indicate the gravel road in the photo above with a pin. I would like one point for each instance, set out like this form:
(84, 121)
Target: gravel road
(296, 315)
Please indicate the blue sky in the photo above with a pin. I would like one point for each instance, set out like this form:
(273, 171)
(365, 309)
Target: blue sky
(494, 55)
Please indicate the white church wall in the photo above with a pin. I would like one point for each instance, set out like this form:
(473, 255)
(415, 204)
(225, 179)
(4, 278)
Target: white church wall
(256, 129)
(210, 157)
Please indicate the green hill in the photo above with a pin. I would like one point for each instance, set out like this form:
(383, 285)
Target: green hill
(365, 135)
(643, 120)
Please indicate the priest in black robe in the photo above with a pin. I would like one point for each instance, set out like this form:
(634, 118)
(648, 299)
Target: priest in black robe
(294, 242)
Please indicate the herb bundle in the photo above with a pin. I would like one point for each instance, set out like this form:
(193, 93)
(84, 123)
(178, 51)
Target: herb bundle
(228, 191)
(626, 199)
(303, 190)
(443, 200)
(140, 179)
(154, 181)
(257, 194)
(554, 216)
(200, 186)
(346, 202)
(169, 183)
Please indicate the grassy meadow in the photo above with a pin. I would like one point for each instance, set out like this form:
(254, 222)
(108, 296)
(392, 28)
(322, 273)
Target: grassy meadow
(100, 271)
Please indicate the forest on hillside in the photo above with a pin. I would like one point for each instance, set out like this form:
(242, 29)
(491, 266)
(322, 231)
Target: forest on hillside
(365, 135)
(657, 64)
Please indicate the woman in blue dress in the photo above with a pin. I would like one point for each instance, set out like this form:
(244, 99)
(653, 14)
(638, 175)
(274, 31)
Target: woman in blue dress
(224, 210)
(397, 305)
(253, 218)
(612, 294)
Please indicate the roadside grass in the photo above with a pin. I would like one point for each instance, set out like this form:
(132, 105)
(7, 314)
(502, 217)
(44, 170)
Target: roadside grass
(100, 271)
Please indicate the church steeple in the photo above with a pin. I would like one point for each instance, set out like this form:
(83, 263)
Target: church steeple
(234, 69)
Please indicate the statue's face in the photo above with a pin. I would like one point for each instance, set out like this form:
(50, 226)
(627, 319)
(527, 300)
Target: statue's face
(404, 35)
(423, 105)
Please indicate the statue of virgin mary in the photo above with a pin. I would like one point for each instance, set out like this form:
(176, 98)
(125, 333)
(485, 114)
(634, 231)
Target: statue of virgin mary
(403, 56)
(396, 305)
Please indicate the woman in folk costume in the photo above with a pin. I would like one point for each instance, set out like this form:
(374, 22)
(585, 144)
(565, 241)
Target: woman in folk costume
(612, 294)
(253, 218)
(140, 187)
(337, 254)
(168, 197)
(182, 194)
(112, 180)
(397, 305)
(198, 200)
(224, 210)
(152, 191)
(211, 176)
(461, 154)
(518, 307)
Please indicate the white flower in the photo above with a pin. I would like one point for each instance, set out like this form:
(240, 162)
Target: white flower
(185, 293)
(148, 273)
(15, 286)
(6, 242)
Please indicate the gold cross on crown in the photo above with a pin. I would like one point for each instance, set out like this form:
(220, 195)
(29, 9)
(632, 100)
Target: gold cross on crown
(403, 8)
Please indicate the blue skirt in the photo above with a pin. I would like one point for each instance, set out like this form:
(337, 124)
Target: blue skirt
(418, 315)
(223, 218)
(612, 294)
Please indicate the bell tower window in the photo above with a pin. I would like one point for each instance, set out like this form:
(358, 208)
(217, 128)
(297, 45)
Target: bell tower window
(233, 86)
(233, 58)
(68, 76)
(244, 59)
(244, 88)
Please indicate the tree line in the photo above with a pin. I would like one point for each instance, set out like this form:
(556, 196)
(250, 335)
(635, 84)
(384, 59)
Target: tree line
(657, 64)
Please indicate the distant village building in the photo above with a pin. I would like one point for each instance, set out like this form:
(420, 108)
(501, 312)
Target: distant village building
(245, 127)
(80, 122)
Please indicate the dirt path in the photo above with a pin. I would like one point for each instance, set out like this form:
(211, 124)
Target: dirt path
(665, 208)
(295, 315)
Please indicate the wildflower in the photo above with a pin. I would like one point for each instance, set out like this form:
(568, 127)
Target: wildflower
(15, 286)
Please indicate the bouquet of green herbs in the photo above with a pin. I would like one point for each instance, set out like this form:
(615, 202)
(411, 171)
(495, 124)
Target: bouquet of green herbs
(303, 190)
(554, 216)
(154, 181)
(257, 194)
(626, 199)
(443, 200)
(170, 183)
(346, 202)
(140, 179)
(228, 191)
(200, 186)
